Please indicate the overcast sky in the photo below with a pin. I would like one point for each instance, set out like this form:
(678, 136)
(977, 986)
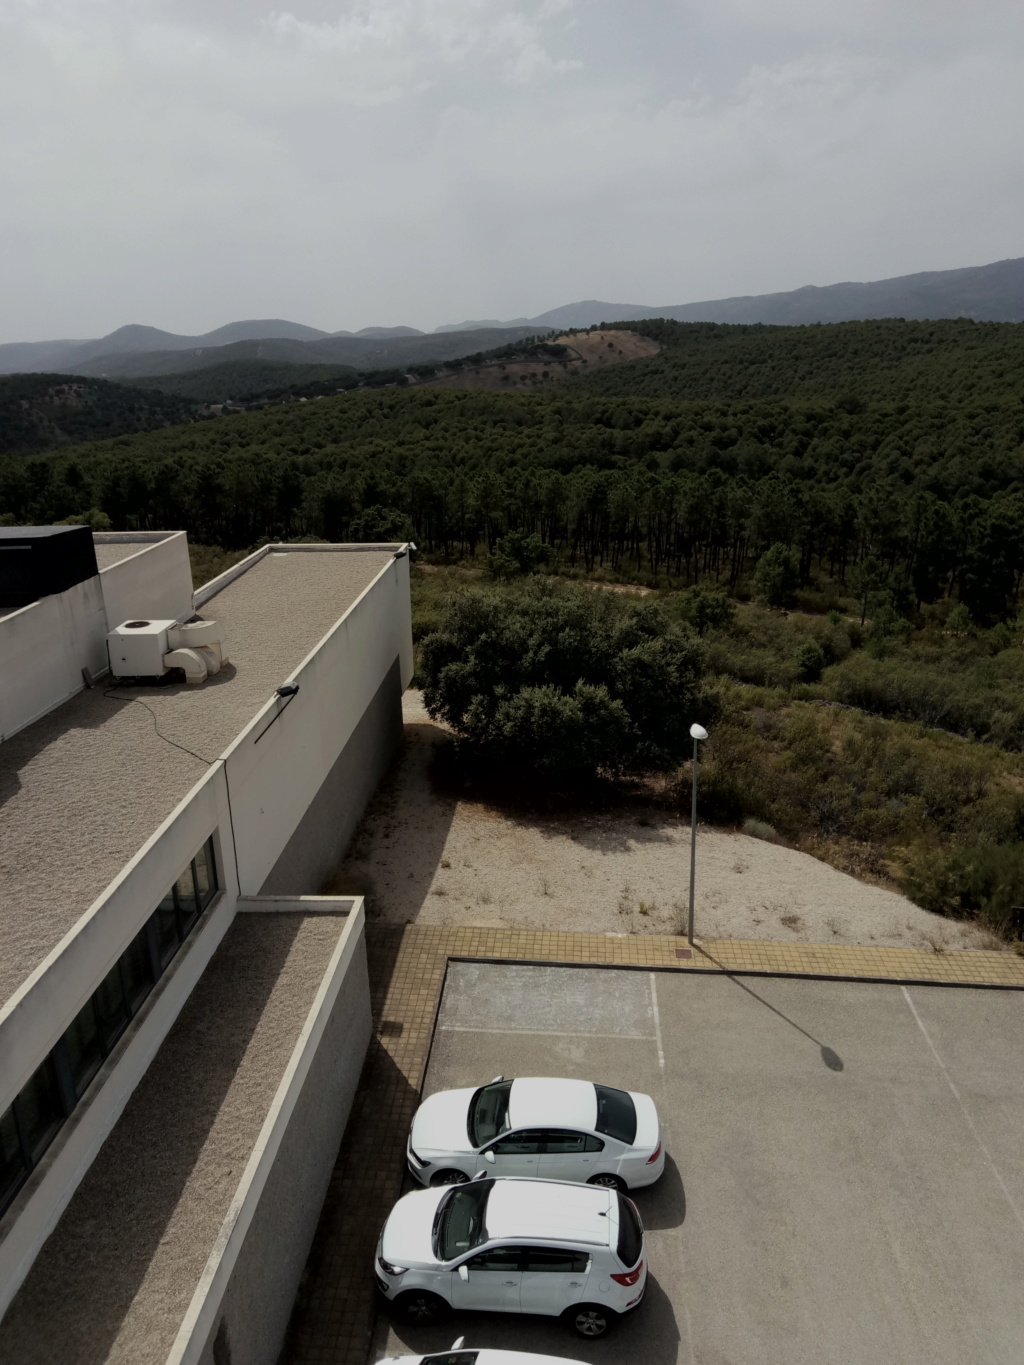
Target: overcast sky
(186, 163)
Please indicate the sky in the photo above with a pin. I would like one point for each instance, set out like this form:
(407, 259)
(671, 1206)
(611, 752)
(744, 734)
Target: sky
(348, 163)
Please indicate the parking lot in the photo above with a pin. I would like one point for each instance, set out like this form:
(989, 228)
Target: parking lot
(845, 1179)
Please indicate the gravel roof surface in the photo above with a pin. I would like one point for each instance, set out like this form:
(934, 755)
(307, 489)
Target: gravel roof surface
(113, 554)
(116, 1277)
(82, 789)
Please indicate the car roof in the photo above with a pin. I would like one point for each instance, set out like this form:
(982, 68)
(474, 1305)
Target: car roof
(542, 1101)
(549, 1210)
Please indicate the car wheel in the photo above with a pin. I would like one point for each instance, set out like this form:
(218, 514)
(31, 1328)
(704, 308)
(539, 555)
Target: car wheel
(590, 1320)
(448, 1178)
(420, 1308)
(609, 1181)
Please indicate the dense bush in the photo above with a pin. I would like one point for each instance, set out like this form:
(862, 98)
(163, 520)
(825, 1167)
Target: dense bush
(564, 680)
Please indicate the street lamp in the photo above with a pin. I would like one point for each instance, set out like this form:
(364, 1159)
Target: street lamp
(697, 733)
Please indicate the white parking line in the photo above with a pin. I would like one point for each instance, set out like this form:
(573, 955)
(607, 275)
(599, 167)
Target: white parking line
(657, 1022)
(970, 1122)
(536, 1032)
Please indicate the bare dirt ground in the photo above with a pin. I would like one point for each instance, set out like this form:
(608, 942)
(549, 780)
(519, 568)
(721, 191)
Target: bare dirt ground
(426, 857)
(588, 351)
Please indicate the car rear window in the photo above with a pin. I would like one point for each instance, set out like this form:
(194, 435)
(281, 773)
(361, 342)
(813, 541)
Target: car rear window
(616, 1113)
(459, 1222)
(488, 1112)
(452, 1358)
(631, 1233)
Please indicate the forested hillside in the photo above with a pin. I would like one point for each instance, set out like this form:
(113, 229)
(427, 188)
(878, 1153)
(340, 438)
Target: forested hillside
(902, 443)
(40, 411)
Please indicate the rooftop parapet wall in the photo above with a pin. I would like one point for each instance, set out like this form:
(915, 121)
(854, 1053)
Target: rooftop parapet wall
(45, 646)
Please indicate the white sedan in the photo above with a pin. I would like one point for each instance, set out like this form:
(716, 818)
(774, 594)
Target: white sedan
(460, 1354)
(538, 1126)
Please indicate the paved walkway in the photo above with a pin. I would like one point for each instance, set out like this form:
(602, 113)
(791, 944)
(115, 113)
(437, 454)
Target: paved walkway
(333, 1321)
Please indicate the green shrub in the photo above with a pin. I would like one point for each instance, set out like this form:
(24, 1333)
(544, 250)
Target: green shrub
(563, 679)
(759, 829)
(981, 881)
(517, 553)
(810, 661)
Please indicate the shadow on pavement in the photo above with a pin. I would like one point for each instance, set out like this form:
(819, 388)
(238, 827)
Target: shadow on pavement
(662, 1205)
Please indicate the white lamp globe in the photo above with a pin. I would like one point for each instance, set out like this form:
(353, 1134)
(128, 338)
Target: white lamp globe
(698, 731)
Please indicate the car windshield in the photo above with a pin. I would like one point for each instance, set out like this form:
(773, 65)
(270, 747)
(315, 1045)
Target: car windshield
(631, 1233)
(459, 1224)
(488, 1112)
(616, 1114)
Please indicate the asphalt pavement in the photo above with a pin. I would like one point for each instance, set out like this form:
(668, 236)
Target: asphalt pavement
(845, 1180)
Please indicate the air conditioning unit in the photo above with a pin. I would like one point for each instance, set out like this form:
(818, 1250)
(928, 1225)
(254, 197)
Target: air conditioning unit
(149, 649)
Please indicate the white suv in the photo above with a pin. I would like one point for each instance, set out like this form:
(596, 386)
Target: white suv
(514, 1246)
(538, 1126)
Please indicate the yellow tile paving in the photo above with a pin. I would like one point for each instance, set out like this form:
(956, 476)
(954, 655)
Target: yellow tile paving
(333, 1320)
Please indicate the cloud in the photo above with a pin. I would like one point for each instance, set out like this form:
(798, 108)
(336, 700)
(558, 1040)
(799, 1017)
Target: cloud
(182, 162)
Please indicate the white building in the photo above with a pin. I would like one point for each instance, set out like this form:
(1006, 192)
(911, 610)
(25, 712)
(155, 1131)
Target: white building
(183, 1019)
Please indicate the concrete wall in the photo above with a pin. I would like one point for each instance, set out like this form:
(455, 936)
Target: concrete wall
(45, 646)
(43, 649)
(278, 765)
(154, 584)
(245, 1296)
(318, 844)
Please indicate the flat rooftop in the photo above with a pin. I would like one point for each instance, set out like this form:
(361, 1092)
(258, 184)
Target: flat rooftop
(82, 789)
(116, 1277)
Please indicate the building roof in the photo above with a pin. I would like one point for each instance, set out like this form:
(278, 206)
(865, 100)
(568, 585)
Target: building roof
(113, 554)
(82, 789)
(115, 1279)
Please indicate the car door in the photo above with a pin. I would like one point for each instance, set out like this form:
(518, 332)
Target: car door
(570, 1155)
(514, 1153)
(552, 1279)
(490, 1281)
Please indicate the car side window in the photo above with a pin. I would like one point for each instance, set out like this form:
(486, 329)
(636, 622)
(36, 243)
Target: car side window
(594, 1144)
(526, 1143)
(452, 1358)
(556, 1260)
(496, 1259)
(562, 1142)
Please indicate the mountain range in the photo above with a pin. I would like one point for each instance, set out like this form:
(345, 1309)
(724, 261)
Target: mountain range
(992, 292)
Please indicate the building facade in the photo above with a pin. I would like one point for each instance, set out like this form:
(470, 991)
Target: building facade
(162, 851)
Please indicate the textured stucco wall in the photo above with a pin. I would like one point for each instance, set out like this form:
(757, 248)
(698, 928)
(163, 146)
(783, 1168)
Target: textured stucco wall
(323, 833)
(253, 1318)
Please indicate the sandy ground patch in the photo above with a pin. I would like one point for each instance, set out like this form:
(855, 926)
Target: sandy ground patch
(429, 858)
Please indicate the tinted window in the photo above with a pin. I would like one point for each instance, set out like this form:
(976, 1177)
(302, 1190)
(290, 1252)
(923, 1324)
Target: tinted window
(616, 1115)
(40, 1112)
(497, 1258)
(459, 1222)
(631, 1233)
(556, 1261)
(559, 1142)
(188, 901)
(83, 1048)
(166, 920)
(594, 1144)
(12, 1165)
(136, 973)
(527, 1143)
(206, 875)
(452, 1358)
(111, 1007)
(488, 1113)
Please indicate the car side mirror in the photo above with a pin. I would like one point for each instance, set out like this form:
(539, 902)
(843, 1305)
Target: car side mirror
(489, 1156)
(464, 1272)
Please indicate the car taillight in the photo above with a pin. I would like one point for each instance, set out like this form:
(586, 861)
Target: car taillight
(654, 1155)
(630, 1277)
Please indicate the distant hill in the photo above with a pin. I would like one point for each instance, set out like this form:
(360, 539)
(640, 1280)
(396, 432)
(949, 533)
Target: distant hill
(33, 356)
(43, 411)
(242, 381)
(986, 293)
(360, 352)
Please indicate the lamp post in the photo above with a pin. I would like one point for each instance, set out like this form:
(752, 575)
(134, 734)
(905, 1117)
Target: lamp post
(697, 733)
